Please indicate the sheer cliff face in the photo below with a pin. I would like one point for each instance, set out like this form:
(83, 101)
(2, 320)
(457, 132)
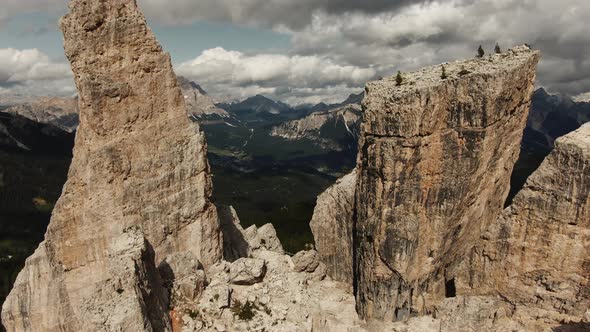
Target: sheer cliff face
(538, 252)
(138, 162)
(434, 165)
(331, 225)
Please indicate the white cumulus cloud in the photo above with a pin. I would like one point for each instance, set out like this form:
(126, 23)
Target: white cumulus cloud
(287, 77)
(33, 72)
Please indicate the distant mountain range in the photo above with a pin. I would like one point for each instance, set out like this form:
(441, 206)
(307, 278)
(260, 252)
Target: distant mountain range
(19, 134)
(332, 127)
(552, 116)
(269, 160)
(257, 104)
(60, 112)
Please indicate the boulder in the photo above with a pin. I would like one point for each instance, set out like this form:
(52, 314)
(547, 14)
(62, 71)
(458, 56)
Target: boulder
(306, 261)
(184, 278)
(269, 239)
(247, 271)
(239, 242)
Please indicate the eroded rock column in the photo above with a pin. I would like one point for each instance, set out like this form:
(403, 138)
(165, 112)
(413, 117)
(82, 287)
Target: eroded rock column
(434, 164)
(138, 162)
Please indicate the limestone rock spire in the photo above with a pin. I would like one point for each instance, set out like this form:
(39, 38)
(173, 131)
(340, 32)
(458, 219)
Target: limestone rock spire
(139, 164)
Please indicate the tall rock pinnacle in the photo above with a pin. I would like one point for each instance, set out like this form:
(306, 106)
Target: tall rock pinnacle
(139, 168)
(435, 159)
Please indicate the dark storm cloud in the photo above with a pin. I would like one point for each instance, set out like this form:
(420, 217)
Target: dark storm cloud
(336, 45)
(291, 14)
(383, 37)
(415, 36)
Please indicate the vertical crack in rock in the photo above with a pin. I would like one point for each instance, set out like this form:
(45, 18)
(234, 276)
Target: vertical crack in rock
(138, 162)
(435, 159)
(537, 254)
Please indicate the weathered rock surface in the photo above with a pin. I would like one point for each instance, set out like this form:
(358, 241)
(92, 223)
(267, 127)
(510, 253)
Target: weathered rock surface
(198, 102)
(284, 300)
(182, 274)
(537, 254)
(331, 225)
(138, 161)
(126, 292)
(267, 236)
(306, 261)
(247, 271)
(435, 159)
(239, 242)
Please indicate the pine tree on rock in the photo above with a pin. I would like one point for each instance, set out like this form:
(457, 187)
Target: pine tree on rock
(480, 52)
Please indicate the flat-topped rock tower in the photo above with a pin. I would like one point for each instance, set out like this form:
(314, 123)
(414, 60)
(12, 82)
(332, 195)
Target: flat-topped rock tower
(434, 166)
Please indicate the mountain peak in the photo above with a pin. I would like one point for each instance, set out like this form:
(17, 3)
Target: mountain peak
(187, 84)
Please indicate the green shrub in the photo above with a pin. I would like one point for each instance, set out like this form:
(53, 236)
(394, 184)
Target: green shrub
(193, 314)
(244, 311)
(399, 79)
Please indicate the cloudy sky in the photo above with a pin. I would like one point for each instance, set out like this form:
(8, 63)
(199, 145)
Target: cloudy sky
(307, 51)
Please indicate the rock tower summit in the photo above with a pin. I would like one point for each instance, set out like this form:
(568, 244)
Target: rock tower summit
(434, 166)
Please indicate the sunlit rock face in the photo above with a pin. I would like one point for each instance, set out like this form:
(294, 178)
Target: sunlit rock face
(138, 163)
(537, 254)
(434, 165)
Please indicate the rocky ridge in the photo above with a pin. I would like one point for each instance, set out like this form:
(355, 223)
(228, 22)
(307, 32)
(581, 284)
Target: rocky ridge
(57, 111)
(418, 260)
(138, 163)
(325, 128)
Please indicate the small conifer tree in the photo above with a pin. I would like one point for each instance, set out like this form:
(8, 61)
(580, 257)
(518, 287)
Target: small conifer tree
(399, 79)
(480, 52)
(497, 49)
(444, 73)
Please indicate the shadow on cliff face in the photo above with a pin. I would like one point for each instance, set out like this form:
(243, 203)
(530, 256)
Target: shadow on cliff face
(551, 117)
(235, 245)
(573, 327)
